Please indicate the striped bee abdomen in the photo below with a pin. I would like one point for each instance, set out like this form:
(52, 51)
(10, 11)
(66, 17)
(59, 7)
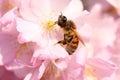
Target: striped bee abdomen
(72, 46)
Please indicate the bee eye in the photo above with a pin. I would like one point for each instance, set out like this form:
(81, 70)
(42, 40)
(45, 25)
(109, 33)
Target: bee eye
(64, 19)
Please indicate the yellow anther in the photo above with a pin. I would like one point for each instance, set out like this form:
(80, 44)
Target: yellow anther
(89, 73)
(50, 24)
(21, 48)
(57, 74)
(94, 78)
(18, 54)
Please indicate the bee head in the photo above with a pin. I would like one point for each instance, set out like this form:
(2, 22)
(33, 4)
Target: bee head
(62, 20)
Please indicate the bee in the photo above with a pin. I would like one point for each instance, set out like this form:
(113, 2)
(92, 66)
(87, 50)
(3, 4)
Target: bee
(71, 37)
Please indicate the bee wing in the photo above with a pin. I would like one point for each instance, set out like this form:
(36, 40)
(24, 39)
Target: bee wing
(80, 38)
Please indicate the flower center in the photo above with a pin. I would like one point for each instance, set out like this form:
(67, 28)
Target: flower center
(22, 48)
(49, 29)
(51, 72)
(48, 21)
(50, 24)
(89, 74)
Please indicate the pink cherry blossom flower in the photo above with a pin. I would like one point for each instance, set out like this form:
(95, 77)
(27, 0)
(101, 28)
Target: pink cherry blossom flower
(13, 54)
(100, 48)
(43, 21)
(37, 26)
(40, 23)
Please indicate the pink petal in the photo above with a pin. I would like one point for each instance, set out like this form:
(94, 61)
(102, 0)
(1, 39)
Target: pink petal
(42, 69)
(29, 31)
(13, 65)
(81, 19)
(80, 55)
(8, 22)
(50, 52)
(28, 76)
(19, 68)
(102, 27)
(114, 3)
(37, 72)
(90, 4)
(31, 9)
(9, 16)
(76, 63)
(40, 7)
(21, 72)
(25, 10)
(58, 5)
(6, 5)
(85, 31)
(7, 42)
(33, 32)
(105, 53)
(74, 9)
(75, 73)
(101, 66)
(2, 70)
(72, 67)
(7, 75)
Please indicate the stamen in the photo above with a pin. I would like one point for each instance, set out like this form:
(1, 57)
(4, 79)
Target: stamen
(89, 74)
(21, 48)
(50, 24)
(51, 72)
(18, 54)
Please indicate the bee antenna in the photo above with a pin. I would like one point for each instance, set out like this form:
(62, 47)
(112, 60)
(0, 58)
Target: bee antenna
(61, 14)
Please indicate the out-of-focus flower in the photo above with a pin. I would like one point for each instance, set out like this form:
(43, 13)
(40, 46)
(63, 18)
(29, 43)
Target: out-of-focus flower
(89, 4)
(13, 55)
(99, 26)
(106, 7)
(96, 31)
(6, 5)
(116, 55)
(115, 4)
(8, 37)
(95, 68)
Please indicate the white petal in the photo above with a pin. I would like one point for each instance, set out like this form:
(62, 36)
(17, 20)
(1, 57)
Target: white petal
(74, 9)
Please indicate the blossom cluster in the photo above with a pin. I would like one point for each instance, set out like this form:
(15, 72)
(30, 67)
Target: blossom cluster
(29, 48)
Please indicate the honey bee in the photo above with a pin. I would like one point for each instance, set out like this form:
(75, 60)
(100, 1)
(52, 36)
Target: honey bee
(71, 37)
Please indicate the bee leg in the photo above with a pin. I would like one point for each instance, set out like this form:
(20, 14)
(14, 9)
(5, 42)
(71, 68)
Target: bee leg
(62, 42)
